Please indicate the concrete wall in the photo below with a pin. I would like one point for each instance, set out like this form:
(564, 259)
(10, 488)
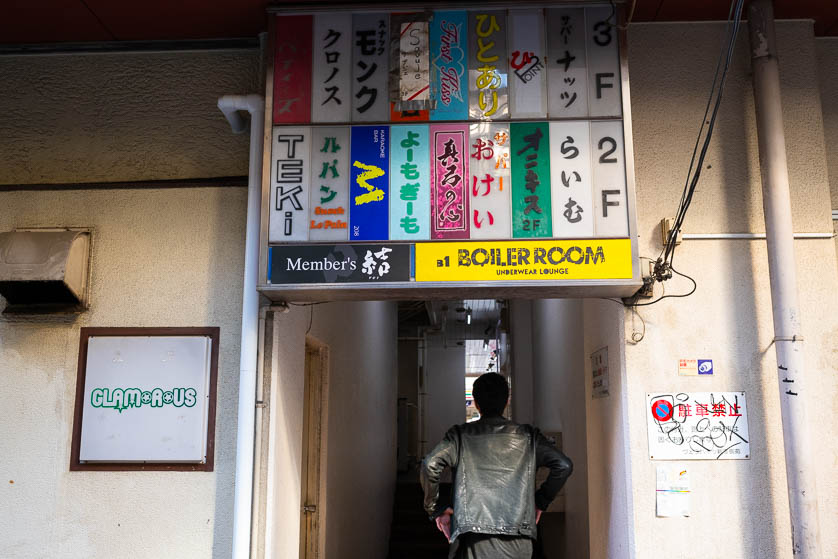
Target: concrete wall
(826, 49)
(742, 504)
(520, 333)
(121, 117)
(610, 470)
(359, 453)
(559, 404)
(409, 389)
(192, 240)
(445, 384)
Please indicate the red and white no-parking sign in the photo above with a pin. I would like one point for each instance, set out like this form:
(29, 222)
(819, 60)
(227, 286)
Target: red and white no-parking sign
(662, 410)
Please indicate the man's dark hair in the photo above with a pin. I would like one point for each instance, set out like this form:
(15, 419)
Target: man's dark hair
(491, 393)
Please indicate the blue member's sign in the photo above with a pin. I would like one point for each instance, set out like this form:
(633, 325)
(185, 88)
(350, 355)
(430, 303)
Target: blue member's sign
(449, 62)
(705, 366)
(369, 188)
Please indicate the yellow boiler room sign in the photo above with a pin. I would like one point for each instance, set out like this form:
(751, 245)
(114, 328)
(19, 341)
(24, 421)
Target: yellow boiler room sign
(524, 260)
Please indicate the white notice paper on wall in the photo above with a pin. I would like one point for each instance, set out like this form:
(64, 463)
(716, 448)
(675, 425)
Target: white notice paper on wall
(146, 399)
(672, 490)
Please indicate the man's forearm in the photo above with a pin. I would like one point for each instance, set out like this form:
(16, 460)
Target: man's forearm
(560, 469)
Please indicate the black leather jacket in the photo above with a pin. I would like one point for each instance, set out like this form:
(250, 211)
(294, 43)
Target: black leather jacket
(494, 462)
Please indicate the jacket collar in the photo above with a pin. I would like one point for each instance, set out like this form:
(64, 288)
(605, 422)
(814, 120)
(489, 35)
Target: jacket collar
(493, 420)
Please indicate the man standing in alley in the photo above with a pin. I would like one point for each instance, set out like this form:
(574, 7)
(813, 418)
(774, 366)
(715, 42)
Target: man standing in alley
(496, 505)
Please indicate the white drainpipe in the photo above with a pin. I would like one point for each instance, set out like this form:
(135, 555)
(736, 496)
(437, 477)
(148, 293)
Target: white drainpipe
(230, 105)
(788, 341)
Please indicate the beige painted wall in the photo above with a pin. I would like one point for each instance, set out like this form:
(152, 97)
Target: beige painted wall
(611, 471)
(360, 453)
(743, 504)
(445, 385)
(559, 404)
(121, 117)
(520, 334)
(826, 49)
(189, 240)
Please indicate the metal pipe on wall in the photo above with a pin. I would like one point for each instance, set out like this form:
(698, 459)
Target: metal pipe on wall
(788, 342)
(231, 105)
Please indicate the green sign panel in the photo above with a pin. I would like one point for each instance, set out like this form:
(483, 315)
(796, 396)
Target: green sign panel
(531, 207)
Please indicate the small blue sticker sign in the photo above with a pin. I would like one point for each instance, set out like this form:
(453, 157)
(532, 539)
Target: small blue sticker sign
(695, 367)
(705, 366)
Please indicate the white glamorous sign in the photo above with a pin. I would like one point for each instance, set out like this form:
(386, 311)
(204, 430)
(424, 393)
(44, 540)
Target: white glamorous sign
(146, 399)
(697, 426)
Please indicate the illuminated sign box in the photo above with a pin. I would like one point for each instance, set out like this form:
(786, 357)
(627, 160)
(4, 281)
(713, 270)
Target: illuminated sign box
(451, 132)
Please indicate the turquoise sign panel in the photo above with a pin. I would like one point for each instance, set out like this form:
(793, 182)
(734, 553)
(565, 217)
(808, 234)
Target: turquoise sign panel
(410, 196)
(449, 65)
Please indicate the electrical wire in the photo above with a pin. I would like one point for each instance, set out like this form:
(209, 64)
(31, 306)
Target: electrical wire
(637, 337)
(662, 297)
(310, 319)
(694, 172)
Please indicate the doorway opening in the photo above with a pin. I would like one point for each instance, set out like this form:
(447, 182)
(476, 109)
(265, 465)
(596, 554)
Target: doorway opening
(394, 378)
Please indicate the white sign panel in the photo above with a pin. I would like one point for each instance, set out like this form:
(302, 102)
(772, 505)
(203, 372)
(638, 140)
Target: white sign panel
(490, 181)
(609, 172)
(331, 63)
(697, 426)
(370, 37)
(604, 95)
(146, 399)
(527, 65)
(570, 179)
(414, 71)
(329, 217)
(567, 63)
(290, 179)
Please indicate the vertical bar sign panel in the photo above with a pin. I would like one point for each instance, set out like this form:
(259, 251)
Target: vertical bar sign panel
(567, 68)
(490, 184)
(330, 180)
(370, 35)
(414, 74)
(292, 70)
(531, 207)
(332, 65)
(449, 173)
(488, 99)
(527, 64)
(410, 199)
(570, 179)
(449, 54)
(369, 187)
(609, 168)
(604, 93)
(409, 94)
(290, 179)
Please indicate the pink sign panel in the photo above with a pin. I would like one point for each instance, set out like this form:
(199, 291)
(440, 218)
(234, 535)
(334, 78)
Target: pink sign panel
(449, 178)
(292, 70)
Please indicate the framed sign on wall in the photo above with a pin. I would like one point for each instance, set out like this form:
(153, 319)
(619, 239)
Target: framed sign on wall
(145, 399)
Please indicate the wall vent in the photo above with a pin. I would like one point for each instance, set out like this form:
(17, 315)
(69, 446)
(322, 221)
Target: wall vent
(44, 271)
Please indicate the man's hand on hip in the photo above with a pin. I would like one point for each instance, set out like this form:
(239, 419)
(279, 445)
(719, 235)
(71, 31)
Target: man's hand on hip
(538, 515)
(443, 522)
